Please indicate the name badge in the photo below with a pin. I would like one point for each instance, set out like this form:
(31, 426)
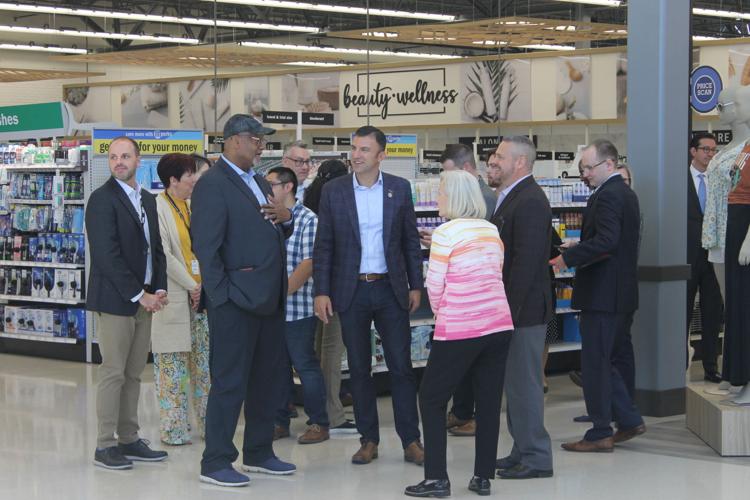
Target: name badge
(194, 268)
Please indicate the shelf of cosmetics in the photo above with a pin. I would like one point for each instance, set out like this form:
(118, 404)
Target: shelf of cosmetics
(41, 219)
(42, 284)
(41, 324)
(52, 248)
(64, 155)
(568, 225)
(40, 186)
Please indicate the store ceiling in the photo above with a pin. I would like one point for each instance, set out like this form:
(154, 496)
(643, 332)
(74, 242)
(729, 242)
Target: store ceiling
(326, 22)
(27, 75)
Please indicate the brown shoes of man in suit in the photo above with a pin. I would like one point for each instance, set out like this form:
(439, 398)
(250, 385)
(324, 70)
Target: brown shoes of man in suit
(414, 453)
(623, 435)
(606, 445)
(453, 421)
(366, 453)
(468, 429)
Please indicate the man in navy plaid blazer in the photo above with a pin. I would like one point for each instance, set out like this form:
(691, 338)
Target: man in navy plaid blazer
(368, 267)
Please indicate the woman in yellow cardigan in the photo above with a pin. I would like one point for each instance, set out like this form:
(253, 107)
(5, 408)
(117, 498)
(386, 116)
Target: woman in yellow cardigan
(179, 333)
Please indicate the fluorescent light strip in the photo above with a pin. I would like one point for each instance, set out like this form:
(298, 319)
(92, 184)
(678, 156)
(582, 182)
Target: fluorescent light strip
(41, 48)
(721, 13)
(603, 3)
(336, 50)
(544, 46)
(315, 64)
(39, 9)
(341, 9)
(96, 34)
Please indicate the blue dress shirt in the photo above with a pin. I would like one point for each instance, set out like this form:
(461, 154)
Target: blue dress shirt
(249, 178)
(370, 215)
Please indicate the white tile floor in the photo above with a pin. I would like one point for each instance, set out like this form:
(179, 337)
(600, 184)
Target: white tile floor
(47, 438)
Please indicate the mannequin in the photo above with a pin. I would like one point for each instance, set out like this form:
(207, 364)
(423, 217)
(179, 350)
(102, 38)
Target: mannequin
(735, 112)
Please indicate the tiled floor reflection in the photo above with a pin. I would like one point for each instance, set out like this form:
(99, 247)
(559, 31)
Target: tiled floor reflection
(47, 438)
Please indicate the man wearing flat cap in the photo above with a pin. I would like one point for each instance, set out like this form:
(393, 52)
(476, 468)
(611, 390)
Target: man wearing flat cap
(238, 232)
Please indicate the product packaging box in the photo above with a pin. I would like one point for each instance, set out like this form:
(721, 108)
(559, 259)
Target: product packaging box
(4, 280)
(11, 319)
(21, 318)
(62, 250)
(51, 248)
(47, 321)
(17, 242)
(2, 318)
(34, 321)
(24, 282)
(60, 323)
(33, 249)
(12, 282)
(80, 249)
(48, 282)
(60, 291)
(75, 285)
(37, 282)
(58, 238)
(77, 323)
(8, 254)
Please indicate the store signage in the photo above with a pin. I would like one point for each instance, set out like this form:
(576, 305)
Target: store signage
(398, 145)
(46, 119)
(317, 119)
(399, 93)
(432, 154)
(285, 117)
(544, 155)
(723, 137)
(323, 141)
(152, 142)
(485, 145)
(343, 141)
(273, 146)
(705, 86)
(564, 155)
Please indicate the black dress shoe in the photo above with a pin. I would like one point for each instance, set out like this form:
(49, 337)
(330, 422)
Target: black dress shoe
(520, 471)
(505, 463)
(582, 418)
(140, 451)
(576, 378)
(430, 488)
(480, 486)
(712, 377)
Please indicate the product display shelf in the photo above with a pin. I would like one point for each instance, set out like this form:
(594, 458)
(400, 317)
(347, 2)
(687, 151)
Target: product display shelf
(41, 167)
(45, 300)
(19, 201)
(55, 265)
(38, 338)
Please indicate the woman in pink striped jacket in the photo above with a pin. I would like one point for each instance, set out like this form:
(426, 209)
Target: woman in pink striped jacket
(472, 331)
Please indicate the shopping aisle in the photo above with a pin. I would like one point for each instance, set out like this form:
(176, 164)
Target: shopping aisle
(47, 438)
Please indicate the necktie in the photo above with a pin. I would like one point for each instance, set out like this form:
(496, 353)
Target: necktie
(702, 192)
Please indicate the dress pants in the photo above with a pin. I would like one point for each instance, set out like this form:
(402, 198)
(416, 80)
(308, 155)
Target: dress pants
(605, 346)
(703, 278)
(524, 391)
(245, 358)
(463, 399)
(375, 301)
(331, 347)
(124, 342)
(483, 360)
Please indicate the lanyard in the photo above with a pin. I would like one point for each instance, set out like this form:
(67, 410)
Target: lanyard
(179, 212)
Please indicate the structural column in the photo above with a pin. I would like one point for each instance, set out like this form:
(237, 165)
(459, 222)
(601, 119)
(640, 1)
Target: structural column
(658, 129)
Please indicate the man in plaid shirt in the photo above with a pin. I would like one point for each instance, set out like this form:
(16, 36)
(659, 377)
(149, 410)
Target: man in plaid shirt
(300, 317)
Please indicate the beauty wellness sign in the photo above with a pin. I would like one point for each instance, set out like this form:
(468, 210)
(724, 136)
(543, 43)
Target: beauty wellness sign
(389, 95)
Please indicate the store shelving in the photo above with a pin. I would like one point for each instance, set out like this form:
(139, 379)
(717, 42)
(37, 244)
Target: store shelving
(39, 338)
(20, 201)
(45, 300)
(43, 167)
(56, 265)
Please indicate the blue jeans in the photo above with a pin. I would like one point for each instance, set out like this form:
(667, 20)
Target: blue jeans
(300, 344)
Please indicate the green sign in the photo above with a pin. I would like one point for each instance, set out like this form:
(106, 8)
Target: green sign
(31, 117)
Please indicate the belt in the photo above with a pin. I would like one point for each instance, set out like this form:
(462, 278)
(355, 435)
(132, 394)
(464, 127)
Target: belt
(370, 277)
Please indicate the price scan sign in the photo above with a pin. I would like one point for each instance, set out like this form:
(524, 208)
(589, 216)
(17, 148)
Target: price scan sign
(705, 86)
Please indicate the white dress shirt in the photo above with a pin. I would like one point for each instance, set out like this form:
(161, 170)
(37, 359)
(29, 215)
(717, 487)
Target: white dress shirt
(134, 195)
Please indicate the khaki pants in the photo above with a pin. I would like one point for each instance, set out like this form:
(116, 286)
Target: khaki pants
(330, 349)
(124, 342)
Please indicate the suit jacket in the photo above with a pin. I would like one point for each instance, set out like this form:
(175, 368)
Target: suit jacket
(242, 256)
(170, 327)
(118, 250)
(606, 259)
(338, 250)
(695, 250)
(524, 220)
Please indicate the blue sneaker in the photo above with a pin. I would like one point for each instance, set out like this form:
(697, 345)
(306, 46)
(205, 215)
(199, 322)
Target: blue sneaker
(225, 477)
(271, 466)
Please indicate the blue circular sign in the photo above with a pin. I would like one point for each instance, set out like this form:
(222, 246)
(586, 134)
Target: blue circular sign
(705, 86)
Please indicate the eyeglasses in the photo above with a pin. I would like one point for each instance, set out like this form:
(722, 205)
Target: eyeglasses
(260, 140)
(300, 161)
(592, 167)
(720, 107)
(708, 150)
(278, 183)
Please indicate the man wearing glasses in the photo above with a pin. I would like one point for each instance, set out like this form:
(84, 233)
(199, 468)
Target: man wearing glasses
(702, 276)
(606, 292)
(239, 231)
(297, 157)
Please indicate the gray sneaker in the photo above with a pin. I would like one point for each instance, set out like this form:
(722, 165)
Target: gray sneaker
(111, 458)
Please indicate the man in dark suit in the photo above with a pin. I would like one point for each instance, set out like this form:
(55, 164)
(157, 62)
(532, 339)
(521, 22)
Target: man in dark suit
(524, 219)
(239, 232)
(606, 292)
(368, 267)
(127, 283)
(702, 276)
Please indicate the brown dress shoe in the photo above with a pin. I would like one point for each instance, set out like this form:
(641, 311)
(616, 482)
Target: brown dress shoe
(623, 435)
(280, 432)
(468, 429)
(414, 453)
(453, 421)
(606, 445)
(314, 434)
(366, 453)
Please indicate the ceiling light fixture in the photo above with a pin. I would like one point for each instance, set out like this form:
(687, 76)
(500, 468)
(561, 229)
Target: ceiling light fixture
(316, 64)
(41, 48)
(603, 3)
(545, 46)
(721, 13)
(337, 50)
(223, 23)
(339, 9)
(97, 34)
